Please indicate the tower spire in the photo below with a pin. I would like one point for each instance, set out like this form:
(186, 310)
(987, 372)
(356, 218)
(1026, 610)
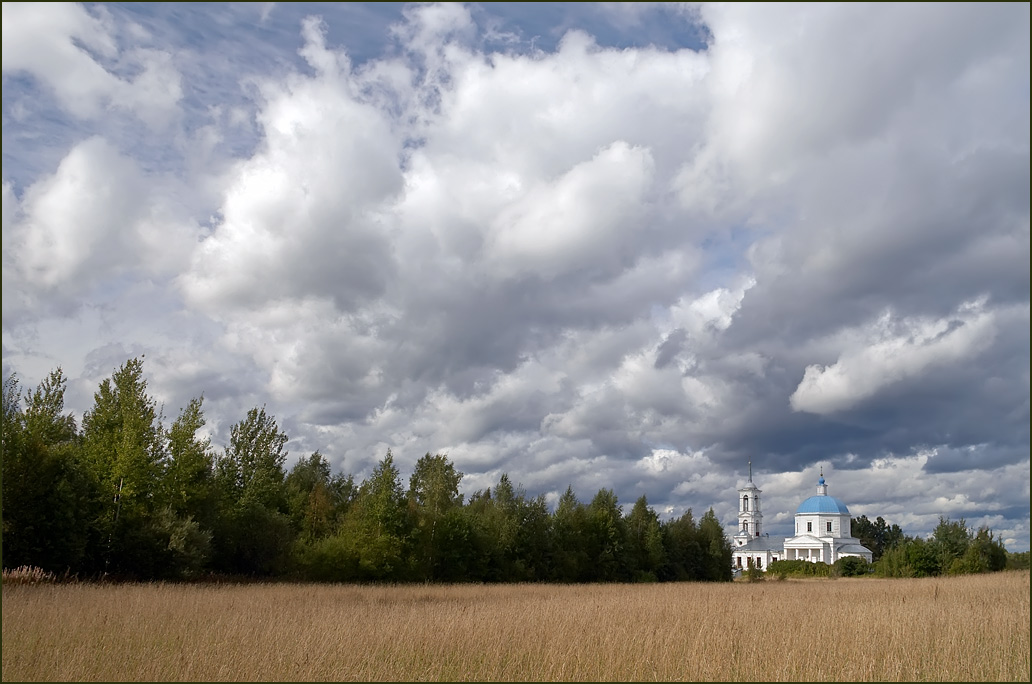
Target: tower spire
(822, 488)
(750, 518)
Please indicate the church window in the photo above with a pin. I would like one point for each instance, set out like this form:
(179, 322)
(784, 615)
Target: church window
(745, 503)
(759, 562)
(809, 527)
(829, 527)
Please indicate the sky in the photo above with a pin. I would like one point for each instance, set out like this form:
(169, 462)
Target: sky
(610, 246)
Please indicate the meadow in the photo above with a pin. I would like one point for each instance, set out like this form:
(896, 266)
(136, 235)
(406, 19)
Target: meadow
(967, 628)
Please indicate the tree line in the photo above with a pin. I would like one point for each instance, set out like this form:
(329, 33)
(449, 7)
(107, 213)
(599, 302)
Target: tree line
(124, 496)
(952, 549)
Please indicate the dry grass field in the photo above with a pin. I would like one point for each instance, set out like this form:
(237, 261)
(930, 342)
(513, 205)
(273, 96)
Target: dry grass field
(959, 628)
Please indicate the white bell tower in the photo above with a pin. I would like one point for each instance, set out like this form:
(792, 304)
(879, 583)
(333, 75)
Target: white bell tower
(750, 518)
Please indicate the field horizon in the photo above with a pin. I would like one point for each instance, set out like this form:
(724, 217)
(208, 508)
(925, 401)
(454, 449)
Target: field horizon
(965, 628)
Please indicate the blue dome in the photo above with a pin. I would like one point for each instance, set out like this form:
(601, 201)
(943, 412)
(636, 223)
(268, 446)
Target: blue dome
(823, 504)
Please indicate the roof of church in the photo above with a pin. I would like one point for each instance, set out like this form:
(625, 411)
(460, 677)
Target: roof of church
(853, 548)
(762, 544)
(822, 503)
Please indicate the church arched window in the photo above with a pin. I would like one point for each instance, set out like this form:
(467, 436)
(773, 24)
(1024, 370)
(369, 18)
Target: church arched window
(745, 502)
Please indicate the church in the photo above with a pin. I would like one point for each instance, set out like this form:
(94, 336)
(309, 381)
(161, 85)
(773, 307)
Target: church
(822, 531)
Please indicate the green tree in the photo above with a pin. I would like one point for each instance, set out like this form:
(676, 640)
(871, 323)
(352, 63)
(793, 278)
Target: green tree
(123, 451)
(569, 532)
(254, 535)
(485, 545)
(877, 535)
(495, 522)
(189, 491)
(190, 468)
(317, 499)
(377, 524)
(433, 495)
(950, 541)
(914, 557)
(13, 419)
(985, 553)
(46, 496)
(122, 440)
(645, 541)
(319, 503)
(607, 535)
(684, 555)
(532, 552)
(716, 549)
(251, 469)
(1017, 560)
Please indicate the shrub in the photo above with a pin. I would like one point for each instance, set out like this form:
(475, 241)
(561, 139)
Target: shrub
(1017, 561)
(798, 568)
(852, 566)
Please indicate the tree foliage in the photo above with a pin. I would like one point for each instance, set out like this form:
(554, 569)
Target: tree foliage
(953, 548)
(46, 494)
(876, 535)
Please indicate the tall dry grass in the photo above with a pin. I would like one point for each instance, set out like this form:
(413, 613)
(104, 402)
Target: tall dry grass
(961, 628)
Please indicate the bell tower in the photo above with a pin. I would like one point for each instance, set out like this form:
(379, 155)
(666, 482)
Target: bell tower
(750, 518)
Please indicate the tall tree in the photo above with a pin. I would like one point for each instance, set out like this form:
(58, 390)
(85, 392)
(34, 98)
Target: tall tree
(716, 549)
(433, 495)
(607, 535)
(646, 554)
(189, 491)
(316, 498)
(378, 524)
(254, 535)
(950, 540)
(13, 419)
(123, 450)
(877, 535)
(533, 549)
(495, 521)
(190, 468)
(985, 553)
(570, 536)
(122, 440)
(251, 469)
(46, 513)
(684, 555)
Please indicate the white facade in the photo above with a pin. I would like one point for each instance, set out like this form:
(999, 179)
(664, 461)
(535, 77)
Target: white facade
(823, 531)
(751, 547)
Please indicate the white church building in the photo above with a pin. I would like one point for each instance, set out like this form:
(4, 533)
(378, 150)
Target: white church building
(822, 531)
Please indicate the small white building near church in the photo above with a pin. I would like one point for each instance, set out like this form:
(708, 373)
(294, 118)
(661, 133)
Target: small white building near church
(822, 531)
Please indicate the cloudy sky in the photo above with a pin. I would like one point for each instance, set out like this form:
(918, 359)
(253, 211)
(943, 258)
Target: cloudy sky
(620, 246)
